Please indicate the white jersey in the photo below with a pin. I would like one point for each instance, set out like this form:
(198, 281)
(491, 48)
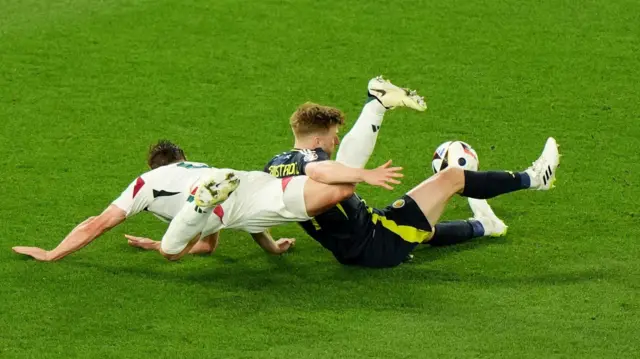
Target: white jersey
(257, 204)
(162, 191)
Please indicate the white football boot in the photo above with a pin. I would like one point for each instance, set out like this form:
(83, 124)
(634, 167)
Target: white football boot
(543, 171)
(482, 212)
(214, 190)
(392, 96)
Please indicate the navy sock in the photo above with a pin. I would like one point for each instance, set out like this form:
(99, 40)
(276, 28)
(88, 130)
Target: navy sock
(478, 228)
(484, 185)
(454, 232)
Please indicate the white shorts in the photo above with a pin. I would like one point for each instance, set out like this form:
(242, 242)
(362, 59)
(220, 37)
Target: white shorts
(263, 201)
(293, 196)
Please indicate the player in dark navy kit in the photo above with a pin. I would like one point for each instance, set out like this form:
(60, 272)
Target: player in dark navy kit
(352, 231)
(357, 234)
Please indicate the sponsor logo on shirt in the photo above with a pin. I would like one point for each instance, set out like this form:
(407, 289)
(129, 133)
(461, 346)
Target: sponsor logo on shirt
(309, 155)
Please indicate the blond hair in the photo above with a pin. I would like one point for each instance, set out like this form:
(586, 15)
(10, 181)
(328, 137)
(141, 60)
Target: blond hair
(311, 118)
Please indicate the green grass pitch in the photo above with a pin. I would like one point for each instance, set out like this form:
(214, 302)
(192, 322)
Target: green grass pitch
(86, 86)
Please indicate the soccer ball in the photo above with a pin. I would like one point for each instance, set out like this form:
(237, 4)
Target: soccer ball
(455, 154)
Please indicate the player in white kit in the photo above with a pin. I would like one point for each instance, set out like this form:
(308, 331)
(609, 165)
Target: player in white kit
(250, 201)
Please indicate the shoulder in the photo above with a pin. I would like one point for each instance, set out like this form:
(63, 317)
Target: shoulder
(283, 157)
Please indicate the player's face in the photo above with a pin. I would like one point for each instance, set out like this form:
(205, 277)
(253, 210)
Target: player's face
(329, 140)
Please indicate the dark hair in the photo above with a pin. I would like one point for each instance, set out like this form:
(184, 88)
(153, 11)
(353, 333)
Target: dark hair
(163, 153)
(310, 118)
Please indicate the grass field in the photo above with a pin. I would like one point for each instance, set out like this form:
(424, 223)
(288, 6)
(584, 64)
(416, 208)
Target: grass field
(86, 86)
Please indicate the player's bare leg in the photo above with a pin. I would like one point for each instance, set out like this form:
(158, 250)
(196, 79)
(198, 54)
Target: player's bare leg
(306, 197)
(433, 194)
(357, 146)
(320, 197)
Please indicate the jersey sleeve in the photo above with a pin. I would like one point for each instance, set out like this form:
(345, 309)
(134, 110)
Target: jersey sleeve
(309, 156)
(135, 198)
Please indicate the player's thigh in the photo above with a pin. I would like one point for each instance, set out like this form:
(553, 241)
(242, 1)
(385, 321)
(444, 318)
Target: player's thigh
(405, 218)
(320, 197)
(433, 194)
(400, 227)
(386, 249)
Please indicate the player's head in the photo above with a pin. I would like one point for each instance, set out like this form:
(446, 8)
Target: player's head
(164, 153)
(316, 126)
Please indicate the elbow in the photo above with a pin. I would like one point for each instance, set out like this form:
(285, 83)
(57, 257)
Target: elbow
(271, 252)
(94, 229)
(98, 226)
(170, 256)
(208, 249)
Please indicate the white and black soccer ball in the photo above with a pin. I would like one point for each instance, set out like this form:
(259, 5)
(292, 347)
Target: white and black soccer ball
(456, 154)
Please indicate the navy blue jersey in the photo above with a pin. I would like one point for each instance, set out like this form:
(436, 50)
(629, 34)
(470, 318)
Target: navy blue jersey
(344, 229)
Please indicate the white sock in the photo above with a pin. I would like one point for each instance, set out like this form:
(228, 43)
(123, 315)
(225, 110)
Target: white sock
(357, 146)
(534, 183)
(189, 222)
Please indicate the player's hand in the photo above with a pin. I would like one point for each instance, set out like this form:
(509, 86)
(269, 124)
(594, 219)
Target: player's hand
(34, 252)
(142, 242)
(383, 176)
(284, 244)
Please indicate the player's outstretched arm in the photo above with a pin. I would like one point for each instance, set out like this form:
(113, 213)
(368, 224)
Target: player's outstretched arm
(80, 236)
(204, 246)
(267, 243)
(331, 172)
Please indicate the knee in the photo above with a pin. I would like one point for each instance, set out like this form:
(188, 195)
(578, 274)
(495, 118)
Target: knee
(168, 251)
(341, 193)
(171, 257)
(208, 248)
(453, 177)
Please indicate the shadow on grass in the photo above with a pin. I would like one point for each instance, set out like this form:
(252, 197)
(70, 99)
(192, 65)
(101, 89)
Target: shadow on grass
(323, 286)
(312, 279)
(257, 271)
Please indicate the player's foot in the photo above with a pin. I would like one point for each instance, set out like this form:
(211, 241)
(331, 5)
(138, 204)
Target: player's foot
(482, 212)
(214, 191)
(543, 171)
(391, 96)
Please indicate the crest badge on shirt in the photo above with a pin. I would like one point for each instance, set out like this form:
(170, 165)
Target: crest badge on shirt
(398, 203)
